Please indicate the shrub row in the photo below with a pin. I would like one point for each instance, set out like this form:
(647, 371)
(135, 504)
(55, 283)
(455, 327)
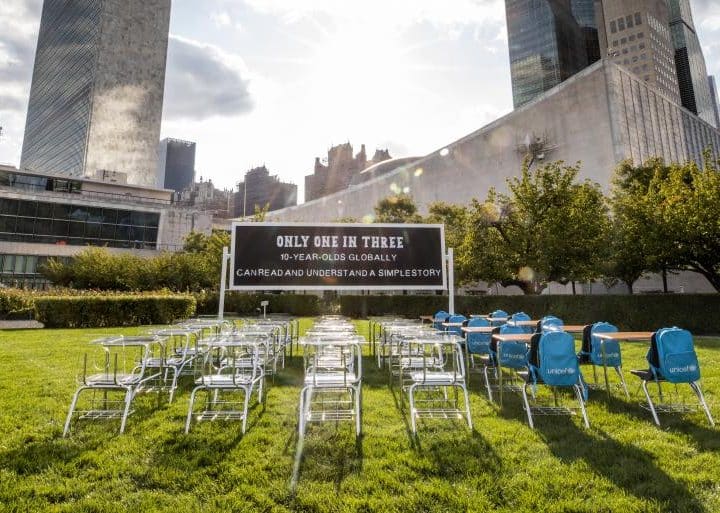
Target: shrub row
(249, 304)
(695, 312)
(15, 304)
(112, 310)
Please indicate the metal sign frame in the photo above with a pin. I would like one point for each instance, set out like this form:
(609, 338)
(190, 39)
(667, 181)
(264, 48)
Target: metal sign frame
(339, 287)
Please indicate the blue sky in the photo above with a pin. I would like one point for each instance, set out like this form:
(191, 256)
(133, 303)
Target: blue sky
(277, 82)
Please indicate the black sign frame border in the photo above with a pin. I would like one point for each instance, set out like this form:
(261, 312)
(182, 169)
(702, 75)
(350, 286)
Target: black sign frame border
(386, 288)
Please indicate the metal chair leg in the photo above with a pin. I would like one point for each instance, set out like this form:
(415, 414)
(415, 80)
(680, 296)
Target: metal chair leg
(358, 411)
(579, 393)
(527, 406)
(467, 406)
(487, 383)
(701, 398)
(650, 402)
(247, 391)
(126, 411)
(73, 405)
(622, 381)
(411, 394)
(190, 408)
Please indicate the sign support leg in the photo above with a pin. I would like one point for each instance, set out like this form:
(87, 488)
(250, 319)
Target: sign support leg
(223, 283)
(451, 280)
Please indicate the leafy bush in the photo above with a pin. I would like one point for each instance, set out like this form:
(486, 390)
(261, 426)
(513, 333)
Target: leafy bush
(15, 304)
(99, 311)
(249, 304)
(695, 312)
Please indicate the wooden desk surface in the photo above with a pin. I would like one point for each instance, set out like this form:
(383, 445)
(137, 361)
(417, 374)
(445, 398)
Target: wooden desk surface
(517, 337)
(627, 335)
(477, 329)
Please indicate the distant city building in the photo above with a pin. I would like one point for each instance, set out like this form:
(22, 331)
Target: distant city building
(547, 44)
(339, 171)
(261, 190)
(49, 216)
(714, 94)
(584, 13)
(690, 62)
(176, 165)
(205, 197)
(636, 34)
(97, 90)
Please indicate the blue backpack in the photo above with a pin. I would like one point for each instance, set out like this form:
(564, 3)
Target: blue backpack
(672, 356)
(478, 343)
(557, 364)
(551, 323)
(612, 347)
(512, 354)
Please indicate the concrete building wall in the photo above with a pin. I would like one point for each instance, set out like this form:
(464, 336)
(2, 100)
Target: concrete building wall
(128, 90)
(468, 168)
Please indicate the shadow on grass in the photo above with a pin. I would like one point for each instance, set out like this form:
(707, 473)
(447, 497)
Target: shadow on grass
(697, 428)
(328, 454)
(37, 456)
(626, 466)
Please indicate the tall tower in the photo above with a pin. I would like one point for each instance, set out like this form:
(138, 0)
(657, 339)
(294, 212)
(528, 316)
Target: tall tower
(547, 45)
(176, 169)
(691, 69)
(97, 90)
(636, 35)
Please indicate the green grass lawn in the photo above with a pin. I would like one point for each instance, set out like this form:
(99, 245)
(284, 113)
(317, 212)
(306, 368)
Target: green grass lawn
(623, 463)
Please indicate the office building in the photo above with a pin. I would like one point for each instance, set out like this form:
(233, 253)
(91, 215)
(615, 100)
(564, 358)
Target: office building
(340, 169)
(97, 89)
(691, 69)
(260, 190)
(176, 165)
(547, 45)
(584, 13)
(636, 34)
(714, 94)
(51, 216)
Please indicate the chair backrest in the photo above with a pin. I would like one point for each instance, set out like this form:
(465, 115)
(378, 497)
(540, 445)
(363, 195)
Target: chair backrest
(557, 363)
(498, 313)
(520, 316)
(551, 323)
(439, 318)
(478, 343)
(456, 318)
(512, 354)
(611, 348)
(672, 356)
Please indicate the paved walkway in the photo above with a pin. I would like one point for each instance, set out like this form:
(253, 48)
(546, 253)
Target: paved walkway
(20, 325)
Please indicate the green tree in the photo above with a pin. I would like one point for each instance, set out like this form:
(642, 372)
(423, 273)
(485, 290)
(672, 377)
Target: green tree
(400, 208)
(455, 219)
(548, 228)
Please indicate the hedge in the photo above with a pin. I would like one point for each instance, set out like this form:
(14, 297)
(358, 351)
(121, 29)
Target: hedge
(99, 311)
(249, 304)
(695, 312)
(15, 304)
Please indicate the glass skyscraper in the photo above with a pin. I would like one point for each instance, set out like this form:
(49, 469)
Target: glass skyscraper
(97, 90)
(547, 44)
(691, 69)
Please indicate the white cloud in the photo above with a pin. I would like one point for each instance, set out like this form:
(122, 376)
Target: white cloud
(401, 13)
(204, 81)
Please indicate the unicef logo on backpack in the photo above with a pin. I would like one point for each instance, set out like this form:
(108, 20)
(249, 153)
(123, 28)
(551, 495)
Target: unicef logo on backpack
(561, 371)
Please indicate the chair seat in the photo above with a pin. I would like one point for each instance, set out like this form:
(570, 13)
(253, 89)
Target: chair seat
(331, 379)
(417, 363)
(646, 375)
(224, 380)
(436, 378)
(109, 380)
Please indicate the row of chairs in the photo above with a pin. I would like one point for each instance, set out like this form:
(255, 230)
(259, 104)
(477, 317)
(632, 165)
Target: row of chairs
(560, 366)
(224, 359)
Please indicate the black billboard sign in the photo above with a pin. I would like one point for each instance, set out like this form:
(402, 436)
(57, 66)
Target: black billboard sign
(303, 256)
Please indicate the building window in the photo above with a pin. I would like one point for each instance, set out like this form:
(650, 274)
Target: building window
(641, 46)
(631, 37)
(623, 41)
(638, 18)
(621, 24)
(616, 43)
(625, 51)
(629, 21)
(641, 35)
(613, 27)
